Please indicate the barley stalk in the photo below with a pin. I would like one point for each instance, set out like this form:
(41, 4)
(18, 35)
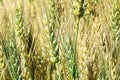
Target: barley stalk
(10, 50)
(22, 42)
(69, 54)
(78, 11)
(59, 6)
(116, 38)
(53, 40)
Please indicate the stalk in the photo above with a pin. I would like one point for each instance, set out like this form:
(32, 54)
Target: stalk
(116, 38)
(22, 43)
(59, 6)
(78, 11)
(53, 41)
(11, 57)
(70, 56)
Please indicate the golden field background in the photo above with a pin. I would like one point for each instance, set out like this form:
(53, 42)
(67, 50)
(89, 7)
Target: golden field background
(59, 39)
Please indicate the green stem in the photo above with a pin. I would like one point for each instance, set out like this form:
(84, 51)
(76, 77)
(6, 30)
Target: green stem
(75, 48)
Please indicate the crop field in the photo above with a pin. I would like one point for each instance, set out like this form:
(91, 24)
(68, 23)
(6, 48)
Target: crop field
(59, 39)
